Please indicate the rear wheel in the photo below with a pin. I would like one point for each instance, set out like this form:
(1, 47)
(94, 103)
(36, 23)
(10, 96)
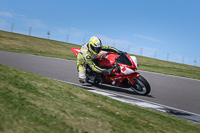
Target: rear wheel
(141, 86)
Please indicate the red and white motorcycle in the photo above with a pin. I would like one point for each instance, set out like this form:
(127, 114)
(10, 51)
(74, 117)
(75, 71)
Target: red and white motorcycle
(123, 72)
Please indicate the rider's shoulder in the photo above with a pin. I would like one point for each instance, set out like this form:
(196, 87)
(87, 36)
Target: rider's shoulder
(84, 46)
(88, 55)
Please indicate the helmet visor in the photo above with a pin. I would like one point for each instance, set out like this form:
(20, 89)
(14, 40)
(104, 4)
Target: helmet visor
(96, 49)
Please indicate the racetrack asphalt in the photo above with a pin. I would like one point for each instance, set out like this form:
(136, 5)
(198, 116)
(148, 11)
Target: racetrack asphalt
(173, 91)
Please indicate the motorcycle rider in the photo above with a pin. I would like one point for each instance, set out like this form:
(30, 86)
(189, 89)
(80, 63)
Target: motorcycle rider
(89, 52)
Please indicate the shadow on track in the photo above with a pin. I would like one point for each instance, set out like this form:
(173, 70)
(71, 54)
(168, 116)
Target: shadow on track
(113, 89)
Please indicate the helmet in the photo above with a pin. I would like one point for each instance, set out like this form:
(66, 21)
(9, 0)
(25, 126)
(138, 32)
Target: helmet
(95, 45)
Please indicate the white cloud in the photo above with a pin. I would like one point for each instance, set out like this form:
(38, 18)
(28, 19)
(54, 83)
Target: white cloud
(35, 23)
(10, 15)
(6, 14)
(74, 35)
(145, 51)
(150, 52)
(110, 41)
(148, 38)
(61, 31)
(120, 44)
(77, 32)
(70, 31)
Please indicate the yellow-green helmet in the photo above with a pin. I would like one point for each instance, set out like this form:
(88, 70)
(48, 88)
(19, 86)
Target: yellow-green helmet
(95, 45)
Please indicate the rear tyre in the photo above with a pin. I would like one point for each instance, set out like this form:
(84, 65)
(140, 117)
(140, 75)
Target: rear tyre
(141, 86)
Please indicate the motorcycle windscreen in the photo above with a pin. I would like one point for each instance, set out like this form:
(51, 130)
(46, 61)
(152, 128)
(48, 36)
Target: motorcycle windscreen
(123, 59)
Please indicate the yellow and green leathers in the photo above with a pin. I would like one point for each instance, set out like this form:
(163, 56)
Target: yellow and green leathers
(85, 56)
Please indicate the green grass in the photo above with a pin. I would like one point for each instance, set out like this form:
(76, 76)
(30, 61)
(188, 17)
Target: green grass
(38, 46)
(32, 103)
(14, 42)
(170, 68)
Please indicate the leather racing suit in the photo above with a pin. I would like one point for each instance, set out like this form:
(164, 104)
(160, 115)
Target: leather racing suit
(87, 57)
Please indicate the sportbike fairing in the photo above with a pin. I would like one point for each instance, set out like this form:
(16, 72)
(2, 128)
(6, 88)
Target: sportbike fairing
(123, 59)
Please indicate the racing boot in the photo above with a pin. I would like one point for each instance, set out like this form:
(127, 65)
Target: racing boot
(82, 76)
(82, 81)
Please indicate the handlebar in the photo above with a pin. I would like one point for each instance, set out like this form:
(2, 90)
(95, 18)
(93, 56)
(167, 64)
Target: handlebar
(116, 67)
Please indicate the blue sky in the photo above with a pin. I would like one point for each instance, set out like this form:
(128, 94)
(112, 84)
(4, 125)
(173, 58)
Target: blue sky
(153, 28)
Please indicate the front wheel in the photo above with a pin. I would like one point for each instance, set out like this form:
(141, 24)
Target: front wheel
(141, 86)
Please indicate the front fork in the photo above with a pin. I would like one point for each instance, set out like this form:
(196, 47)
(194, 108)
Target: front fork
(132, 76)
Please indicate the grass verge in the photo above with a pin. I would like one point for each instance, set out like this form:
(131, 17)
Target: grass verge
(19, 43)
(38, 46)
(31, 103)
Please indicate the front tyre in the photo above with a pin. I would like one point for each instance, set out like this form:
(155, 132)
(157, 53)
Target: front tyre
(141, 86)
